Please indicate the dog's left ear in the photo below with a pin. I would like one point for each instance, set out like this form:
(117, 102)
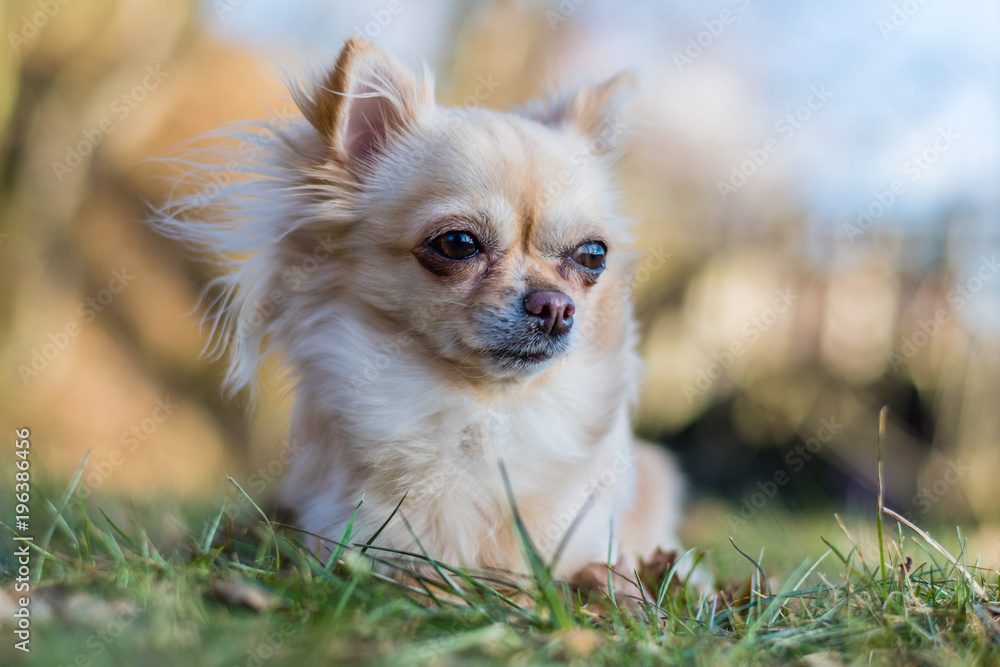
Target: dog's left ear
(365, 103)
(594, 111)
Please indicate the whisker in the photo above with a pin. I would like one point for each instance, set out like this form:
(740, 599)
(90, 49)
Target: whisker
(593, 339)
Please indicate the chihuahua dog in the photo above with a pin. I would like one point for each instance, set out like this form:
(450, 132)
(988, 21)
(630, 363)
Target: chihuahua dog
(449, 291)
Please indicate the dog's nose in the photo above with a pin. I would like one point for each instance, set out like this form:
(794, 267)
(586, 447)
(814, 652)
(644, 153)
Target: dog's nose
(552, 310)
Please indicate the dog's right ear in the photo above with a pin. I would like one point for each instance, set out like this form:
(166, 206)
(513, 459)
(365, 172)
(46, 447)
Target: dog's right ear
(594, 111)
(365, 102)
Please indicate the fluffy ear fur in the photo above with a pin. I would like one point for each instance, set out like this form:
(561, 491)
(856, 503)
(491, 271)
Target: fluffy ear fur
(594, 111)
(364, 102)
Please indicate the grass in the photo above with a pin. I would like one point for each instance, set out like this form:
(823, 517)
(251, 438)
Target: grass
(241, 591)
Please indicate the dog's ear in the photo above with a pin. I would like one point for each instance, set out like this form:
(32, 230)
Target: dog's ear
(365, 102)
(595, 111)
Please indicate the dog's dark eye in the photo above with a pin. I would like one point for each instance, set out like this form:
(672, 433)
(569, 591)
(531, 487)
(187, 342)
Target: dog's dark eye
(456, 245)
(591, 255)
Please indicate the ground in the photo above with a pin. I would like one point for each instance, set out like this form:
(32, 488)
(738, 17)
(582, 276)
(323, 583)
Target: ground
(161, 585)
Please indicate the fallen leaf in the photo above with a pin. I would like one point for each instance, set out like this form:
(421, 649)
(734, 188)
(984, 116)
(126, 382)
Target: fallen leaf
(234, 592)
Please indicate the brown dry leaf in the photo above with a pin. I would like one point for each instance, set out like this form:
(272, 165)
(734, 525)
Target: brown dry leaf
(733, 595)
(653, 569)
(88, 609)
(233, 592)
(579, 642)
(822, 660)
(440, 589)
(76, 607)
(594, 578)
(989, 615)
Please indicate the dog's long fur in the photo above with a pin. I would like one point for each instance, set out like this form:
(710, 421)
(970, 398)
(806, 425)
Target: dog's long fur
(321, 230)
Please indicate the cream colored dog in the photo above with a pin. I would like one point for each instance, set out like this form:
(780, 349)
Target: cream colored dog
(449, 290)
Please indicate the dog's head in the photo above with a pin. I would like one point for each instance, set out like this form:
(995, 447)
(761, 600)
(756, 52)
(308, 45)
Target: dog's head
(483, 235)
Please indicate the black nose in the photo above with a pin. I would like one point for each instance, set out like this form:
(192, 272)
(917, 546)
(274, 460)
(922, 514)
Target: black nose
(553, 311)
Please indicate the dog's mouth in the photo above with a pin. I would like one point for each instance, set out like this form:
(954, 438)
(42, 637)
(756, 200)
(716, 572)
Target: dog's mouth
(521, 357)
(513, 345)
(528, 356)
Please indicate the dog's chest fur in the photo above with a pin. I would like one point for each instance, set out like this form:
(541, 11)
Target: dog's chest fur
(375, 420)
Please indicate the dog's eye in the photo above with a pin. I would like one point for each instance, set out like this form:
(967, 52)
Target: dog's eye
(456, 245)
(591, 255)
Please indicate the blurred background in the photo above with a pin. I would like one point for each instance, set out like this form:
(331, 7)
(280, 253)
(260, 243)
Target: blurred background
(817, 186)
